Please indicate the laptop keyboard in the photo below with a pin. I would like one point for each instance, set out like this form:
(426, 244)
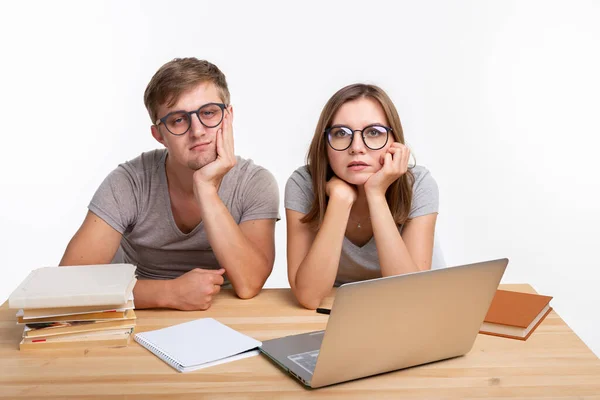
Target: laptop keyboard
(307, 361)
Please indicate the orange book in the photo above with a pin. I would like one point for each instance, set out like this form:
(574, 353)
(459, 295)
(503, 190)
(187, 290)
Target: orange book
(515, 315)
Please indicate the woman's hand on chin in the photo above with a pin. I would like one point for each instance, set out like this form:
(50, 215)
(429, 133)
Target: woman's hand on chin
(342, 190)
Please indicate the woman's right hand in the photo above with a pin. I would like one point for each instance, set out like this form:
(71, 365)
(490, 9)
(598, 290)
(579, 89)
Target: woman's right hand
(341, 189)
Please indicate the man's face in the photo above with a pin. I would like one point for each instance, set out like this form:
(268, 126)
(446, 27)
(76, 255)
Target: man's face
(197, 147)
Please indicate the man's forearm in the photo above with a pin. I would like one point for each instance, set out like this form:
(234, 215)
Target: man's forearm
(246, 267)
(152, 294)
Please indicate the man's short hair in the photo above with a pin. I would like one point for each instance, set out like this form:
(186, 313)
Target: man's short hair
(177, 77)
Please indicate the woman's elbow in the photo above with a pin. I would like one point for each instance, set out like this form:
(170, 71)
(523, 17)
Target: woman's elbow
(306, 300)
(303, 293)
(310, 304)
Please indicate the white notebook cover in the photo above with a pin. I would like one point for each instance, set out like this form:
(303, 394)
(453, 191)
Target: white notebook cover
(89, 285)
(198, 344)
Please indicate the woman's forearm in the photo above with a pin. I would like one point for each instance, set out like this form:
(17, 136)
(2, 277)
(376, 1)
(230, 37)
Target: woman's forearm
(394, 258)
(316, 274)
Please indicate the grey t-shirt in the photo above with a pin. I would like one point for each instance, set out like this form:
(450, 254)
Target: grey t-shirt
(360, 263)
(134, 200)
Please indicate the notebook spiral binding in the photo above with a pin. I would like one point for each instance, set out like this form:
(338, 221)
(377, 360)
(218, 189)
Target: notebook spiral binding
(159, 352)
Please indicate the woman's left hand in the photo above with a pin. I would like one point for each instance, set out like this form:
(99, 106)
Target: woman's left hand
(395, 164)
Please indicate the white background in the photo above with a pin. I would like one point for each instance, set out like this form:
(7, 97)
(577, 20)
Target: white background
(499, 99)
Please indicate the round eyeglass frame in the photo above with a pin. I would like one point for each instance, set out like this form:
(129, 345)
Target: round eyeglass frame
(162, 120)
(362, 135)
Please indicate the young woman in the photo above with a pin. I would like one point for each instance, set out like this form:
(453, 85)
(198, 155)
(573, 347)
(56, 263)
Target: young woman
(357, 211)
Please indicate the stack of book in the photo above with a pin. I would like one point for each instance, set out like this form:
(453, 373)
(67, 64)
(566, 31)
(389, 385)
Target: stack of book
(80, 306)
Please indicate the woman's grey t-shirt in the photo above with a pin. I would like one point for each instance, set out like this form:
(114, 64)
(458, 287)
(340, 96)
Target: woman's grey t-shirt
(360, 263)
(134, 200)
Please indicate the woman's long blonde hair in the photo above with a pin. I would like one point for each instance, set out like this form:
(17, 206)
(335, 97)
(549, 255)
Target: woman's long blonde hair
(399, 193)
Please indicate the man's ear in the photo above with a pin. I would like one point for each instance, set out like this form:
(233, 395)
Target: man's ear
(230, 111)
(157, 135)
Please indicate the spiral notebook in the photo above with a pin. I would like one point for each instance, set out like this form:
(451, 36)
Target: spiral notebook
(198, 344)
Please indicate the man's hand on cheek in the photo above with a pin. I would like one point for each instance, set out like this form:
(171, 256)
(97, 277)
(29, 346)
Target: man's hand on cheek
(208, 178)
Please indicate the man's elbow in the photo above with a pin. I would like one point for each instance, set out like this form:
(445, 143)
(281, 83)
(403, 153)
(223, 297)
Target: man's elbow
(247, 292)
(250, 286)
(249, 289)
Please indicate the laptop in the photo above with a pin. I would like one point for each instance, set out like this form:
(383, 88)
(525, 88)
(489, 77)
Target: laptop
(390, 323)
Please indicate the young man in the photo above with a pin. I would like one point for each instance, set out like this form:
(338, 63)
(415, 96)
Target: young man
(192, 216)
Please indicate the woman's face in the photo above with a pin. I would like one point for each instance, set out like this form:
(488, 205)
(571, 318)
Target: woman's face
(358, 162)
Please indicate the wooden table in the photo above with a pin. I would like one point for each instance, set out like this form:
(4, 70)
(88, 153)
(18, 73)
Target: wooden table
(552, 363)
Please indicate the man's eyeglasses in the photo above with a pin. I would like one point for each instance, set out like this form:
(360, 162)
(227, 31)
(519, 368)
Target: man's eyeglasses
(179, 122)
(374, 136)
